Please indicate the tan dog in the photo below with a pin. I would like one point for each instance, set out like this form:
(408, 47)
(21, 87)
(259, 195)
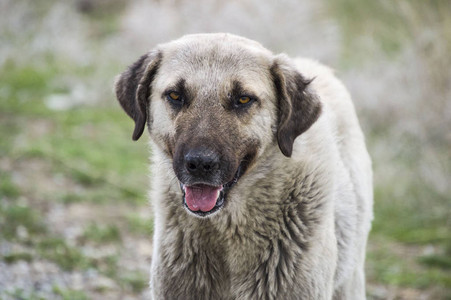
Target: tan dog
(262, 185)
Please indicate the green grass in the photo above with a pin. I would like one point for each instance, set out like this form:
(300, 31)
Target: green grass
(408, 219)
(103, 17)
(87, 153)
(415, 217)
(139, 225)
(14, 217)
(67, 294)
(108, 265)
(102, 234)
(15, 257)
(68, 258)
(437, 261)
(8, 130)
(77, 142)
(390, 263)
(20, 294)
(377, 18)
(134, 281)
(7, 188)
(385, 26)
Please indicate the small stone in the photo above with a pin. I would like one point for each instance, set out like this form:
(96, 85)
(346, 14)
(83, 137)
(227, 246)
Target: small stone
(102, 283)
(22, 232)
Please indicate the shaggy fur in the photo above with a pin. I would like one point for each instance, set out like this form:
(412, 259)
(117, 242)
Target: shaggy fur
(295, 172)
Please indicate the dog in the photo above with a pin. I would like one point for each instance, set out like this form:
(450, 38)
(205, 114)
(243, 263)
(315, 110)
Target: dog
(261, 182)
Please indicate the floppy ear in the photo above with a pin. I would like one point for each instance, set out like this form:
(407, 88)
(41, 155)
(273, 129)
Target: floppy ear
(133, 89)
(298, 107)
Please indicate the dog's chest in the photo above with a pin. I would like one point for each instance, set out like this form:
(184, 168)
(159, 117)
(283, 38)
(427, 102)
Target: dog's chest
(238, 262)
(193, 264)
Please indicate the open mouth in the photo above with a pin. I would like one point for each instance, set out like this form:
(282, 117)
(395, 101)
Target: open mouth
(204, 200)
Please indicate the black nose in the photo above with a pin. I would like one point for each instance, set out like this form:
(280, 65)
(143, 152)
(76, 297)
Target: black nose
(201, 162)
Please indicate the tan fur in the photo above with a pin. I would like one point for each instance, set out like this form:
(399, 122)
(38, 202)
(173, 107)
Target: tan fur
(295, 224)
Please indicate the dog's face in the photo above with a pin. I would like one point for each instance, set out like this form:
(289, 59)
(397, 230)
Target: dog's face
(213, 104)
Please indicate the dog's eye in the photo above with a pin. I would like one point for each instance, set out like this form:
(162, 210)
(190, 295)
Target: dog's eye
(244, 100)
(174, 96)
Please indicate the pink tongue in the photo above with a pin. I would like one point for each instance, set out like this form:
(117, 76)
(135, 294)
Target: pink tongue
(201, 197)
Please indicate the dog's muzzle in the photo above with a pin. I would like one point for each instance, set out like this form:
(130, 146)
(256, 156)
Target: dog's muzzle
(204, 200)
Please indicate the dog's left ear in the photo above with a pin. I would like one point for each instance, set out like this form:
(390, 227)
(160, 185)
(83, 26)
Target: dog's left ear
(133, 89)
(298, 107)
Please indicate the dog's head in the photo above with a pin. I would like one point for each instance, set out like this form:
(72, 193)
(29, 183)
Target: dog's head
(214, 103)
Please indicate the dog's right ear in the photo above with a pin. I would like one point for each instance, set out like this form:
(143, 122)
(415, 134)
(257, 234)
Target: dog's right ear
(133, 89)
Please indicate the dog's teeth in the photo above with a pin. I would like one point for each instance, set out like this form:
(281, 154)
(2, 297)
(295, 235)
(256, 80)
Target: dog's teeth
(220, 199)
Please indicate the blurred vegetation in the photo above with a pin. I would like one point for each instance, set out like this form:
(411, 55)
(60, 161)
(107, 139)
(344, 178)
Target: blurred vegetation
(67, 161)
(389, 26)
(410, 244)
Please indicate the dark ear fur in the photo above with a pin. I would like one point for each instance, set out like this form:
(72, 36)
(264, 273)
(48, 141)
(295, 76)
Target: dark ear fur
(133, 89)
(298, 107)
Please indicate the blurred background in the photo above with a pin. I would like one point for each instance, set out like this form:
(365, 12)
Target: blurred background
(75, 222)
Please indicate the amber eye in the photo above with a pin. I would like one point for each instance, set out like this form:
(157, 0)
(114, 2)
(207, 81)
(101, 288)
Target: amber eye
(244, 100)
(174, 96)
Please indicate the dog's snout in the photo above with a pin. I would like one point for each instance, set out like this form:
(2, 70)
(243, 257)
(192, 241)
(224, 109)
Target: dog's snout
(201, 163)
